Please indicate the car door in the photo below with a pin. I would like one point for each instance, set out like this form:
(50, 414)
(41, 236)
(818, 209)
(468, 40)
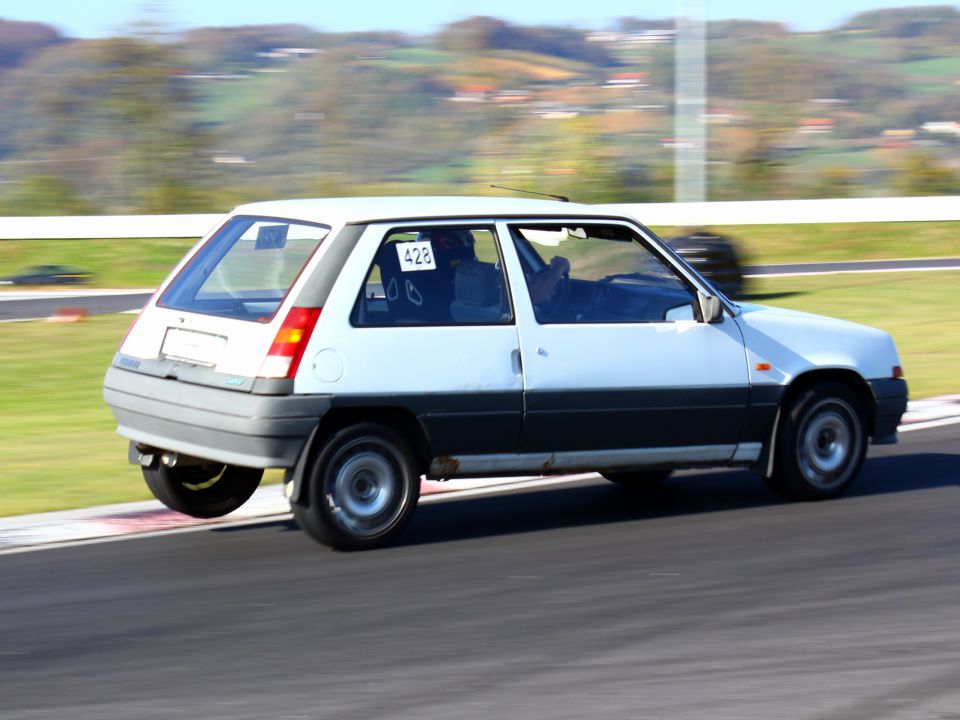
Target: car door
(422, 321)
(615, 357)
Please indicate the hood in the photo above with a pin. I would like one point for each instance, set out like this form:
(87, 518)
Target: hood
(794, 342)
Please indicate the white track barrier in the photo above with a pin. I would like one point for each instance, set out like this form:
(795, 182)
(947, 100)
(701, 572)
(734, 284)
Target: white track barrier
(793, 212)
(92, 227)
(754, 212)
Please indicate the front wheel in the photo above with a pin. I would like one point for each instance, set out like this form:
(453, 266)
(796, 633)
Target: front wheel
(202, 491)
(363, 487)
(822, 443)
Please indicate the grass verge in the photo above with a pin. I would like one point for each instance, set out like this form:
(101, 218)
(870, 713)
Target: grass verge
(773, 244)
(59, 449)
(134, 263)
(129, 263)
(914, 307)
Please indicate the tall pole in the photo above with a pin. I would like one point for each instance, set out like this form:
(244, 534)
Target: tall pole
(690, 98)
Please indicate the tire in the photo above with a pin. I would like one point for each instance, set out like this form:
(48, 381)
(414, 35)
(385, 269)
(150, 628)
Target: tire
(362, 487)
(203, 491)
(638, 478)
(822, 443)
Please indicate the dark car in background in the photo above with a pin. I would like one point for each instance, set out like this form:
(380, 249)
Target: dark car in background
(49, 275)
(714, 256)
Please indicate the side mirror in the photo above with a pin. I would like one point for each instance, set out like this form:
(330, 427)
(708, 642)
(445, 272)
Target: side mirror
(711, 309)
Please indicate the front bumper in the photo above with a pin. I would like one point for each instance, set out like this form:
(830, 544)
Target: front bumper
(226, 426)
(890, 395)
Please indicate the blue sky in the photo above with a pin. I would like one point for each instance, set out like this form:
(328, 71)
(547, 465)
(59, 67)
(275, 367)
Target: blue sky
(97, 18)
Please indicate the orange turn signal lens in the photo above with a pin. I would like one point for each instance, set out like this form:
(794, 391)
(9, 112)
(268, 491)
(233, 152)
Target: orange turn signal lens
(291, 340)
(762, 366)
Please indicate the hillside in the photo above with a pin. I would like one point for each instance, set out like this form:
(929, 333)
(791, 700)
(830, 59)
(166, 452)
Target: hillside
(219, 115)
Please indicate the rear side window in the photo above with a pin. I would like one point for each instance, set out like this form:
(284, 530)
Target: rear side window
(246, 269)
(436, 275)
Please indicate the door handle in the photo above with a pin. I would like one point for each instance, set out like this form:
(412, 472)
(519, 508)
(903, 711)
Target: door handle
(516, 362)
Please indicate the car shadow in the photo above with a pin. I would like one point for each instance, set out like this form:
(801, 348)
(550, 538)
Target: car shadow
(605, 503)
(526, 511)
(600, 503)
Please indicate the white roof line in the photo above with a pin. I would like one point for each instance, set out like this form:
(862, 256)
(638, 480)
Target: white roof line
(371, 209)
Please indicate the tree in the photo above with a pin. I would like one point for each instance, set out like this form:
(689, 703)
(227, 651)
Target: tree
(921, 174)
(149, 107)
(44, 195)
(482, 34)
(21, 40)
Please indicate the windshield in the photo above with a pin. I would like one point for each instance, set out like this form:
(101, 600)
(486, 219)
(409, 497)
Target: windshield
(246, 269)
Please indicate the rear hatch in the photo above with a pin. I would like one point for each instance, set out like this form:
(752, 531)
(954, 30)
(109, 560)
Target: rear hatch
(222, 308)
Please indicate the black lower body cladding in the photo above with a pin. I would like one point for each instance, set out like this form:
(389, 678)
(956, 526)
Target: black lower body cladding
(228, 426)
(891, 398)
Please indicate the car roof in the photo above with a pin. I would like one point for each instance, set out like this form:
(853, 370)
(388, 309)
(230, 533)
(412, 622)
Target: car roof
(373, 209)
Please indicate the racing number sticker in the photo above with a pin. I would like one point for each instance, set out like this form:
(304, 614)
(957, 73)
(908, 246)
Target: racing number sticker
(416, 256)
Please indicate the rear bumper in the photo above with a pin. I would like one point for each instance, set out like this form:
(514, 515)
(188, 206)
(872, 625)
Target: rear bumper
(227, 426)
(891, 402)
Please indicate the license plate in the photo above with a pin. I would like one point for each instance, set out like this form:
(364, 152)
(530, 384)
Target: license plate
(193, 346)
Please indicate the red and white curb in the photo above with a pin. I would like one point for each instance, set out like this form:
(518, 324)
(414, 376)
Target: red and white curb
(933, 412)
(148, 517)
(141, 519)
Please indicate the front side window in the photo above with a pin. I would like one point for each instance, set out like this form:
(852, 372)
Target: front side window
(599, 273)
(246, 269)
(435, 276)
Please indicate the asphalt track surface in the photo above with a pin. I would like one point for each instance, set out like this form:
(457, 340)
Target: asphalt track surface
(43, 307)
(39, 308)
(705, 598)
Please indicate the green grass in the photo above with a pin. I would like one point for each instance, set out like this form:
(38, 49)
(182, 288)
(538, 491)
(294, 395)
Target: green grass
(226, 100)
(857, 47)
(136, 263)
(853, 159)
(771, 244)
(59, 449)
(914, 307)
(418, 56)
(128, 263)
(948, 67)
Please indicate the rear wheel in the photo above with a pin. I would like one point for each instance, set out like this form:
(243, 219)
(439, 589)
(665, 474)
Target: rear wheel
(822, 443)
(637, 479)
(363, 487)
(202, 491)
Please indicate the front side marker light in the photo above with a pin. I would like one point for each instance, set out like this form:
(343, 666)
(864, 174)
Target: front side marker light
(286, 352)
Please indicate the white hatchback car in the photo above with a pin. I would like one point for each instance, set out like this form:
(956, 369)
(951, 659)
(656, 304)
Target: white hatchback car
(363, 343)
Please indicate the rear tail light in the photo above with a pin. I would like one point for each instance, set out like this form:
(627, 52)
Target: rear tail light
(291, 340)
(897, 371)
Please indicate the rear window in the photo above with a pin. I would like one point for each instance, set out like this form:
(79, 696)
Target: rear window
(246, 269)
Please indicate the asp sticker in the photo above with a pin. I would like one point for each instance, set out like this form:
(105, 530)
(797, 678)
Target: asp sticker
(416, 256)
